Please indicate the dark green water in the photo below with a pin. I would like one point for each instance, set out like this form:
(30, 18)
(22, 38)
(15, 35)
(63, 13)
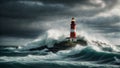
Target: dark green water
(78, 57)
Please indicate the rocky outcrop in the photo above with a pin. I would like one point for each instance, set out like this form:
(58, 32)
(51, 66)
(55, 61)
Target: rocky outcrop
(63, 45)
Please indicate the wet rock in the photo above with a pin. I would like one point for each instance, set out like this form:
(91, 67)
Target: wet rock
(63, 45)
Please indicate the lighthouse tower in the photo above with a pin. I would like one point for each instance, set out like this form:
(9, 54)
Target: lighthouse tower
(73, 30)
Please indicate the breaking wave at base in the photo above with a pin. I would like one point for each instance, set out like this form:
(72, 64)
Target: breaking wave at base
(49, 38)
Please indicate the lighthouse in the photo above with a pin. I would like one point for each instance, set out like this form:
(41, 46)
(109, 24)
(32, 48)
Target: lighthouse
(73, 30)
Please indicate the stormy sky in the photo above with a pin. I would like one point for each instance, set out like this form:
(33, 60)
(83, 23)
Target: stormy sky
(24, 20)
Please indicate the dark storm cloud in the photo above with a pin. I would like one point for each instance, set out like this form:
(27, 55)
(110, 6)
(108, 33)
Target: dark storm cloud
(104, 24)
(27, 18)
(16, 18)
(66, 2)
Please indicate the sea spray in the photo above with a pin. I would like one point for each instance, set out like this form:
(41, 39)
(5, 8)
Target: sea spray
(48, 39)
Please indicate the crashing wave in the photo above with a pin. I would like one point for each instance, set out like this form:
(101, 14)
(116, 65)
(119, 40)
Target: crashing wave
(55, 37)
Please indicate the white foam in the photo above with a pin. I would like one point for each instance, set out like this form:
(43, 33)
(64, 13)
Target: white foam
(72, 51)
(49, 38)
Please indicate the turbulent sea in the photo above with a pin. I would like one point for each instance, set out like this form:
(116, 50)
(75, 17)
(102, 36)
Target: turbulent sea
(90, 56)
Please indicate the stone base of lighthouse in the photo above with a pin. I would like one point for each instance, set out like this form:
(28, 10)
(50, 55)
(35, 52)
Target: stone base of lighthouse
(73, 39)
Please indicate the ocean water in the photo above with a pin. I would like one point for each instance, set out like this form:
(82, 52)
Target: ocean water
(90, 56)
